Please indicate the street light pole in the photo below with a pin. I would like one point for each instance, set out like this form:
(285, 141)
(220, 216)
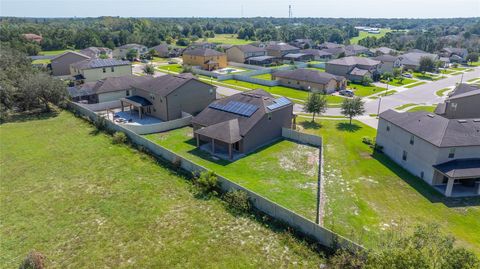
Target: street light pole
(379, 102)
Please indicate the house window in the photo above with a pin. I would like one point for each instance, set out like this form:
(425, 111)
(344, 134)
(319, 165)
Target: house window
(404, 155)
(451, 153)
(422, 175)
(112, 69)
(104, 70)
(412, 137)
(388, 127)
(127, 93)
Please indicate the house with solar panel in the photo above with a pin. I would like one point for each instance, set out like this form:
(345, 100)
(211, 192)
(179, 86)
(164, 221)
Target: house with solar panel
(94, 69)
(236, 125)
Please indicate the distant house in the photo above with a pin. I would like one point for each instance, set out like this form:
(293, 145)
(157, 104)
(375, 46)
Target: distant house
(455, 55)
(330, 45)
(443, 152)
(382, 51)
(303, 43)
(161, 50)
(335, 52)
(97, 52)
(352, 50)
(241, 123)
(207, 59)
(96, 69)
(389, 62)
(463, 102)
(353, 68)
(202, 45)
(107, 89)
(298, 57)
(281, 49)
(318, 55)
(411, 60)
(263, 60)
(33, 37)
(166, 97)
(122, 51)
(61, 63)
(241, 53)
(309, 79)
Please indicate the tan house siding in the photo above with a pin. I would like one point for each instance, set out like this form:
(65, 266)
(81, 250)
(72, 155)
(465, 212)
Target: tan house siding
(61, 64)
(201, 60)
(330, 87)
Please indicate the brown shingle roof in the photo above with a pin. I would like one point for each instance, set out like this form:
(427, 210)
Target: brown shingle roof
(203, 52)
(308, 75)
(166, 84)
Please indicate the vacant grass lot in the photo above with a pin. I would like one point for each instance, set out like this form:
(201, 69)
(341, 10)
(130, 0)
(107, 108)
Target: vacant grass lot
(362, 90)
(230, 39)
(86, 203)
(284, 172)
(367, 193)
(362, 35)
(53, 52)
(422, 108)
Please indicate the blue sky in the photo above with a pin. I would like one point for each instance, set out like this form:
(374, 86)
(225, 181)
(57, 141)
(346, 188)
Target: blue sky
(251, 8)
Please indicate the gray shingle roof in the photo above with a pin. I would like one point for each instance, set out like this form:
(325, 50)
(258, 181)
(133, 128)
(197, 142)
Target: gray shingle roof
(162, 48)
(316, 52)
(164, 85)
(386, 58)
(336, 50)
(99, 63)
(227, 131)
(249, 48)
(358, 72)
(70, 52)
(309, 75)
(460, 168)
(413, 58)
(281, 47)
(435, 129)
(203, 52)
(353, 60)
(463, 90)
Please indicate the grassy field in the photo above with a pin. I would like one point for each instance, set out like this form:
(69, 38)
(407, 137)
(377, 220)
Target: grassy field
(86, 203)
(264, 76)
(362, 90)
(367, 193)
(41, 61)
(441, 92)
(396, 82)
(230, 39)
(415, 84)
(362, 35)
(53, 52)
(422, 108)
(177, 68)
(402, 107)
(284, 172)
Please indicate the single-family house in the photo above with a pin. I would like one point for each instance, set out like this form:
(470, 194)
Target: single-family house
(303, 43)
(281, 49)
(97, 52)
(318, 55)
(61, 64)
(310, 80)
(202, 45)
(263, 60)
(106, 90)
(298, 57)
(462, 102)
(167, 97)
(330, 45)
(389, 62)
(242, 123)
(96, 69)
(353, 68)
(122, 51)
(355, 50)
(455, 55)
(207, 59)
(241, 53)
(161, 50)
(411, 60)
(382, 51)
(335, 52)
(443, 152)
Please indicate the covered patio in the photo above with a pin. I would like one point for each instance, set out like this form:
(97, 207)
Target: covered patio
(223, 139)
(136, 102)
(458, 178)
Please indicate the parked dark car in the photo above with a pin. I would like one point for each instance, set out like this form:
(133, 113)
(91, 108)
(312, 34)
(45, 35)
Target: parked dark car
(346, 93)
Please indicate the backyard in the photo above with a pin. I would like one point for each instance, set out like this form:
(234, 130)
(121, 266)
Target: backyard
(229, 39)
(53, 52)
(86, 203)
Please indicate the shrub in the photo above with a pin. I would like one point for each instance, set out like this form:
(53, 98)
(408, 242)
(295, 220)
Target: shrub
(207, 181)
(34, 260)
(238, 201)
(367, 140)
(100, 123)
(119, 138)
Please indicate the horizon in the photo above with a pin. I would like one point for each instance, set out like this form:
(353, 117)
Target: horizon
(427, 9)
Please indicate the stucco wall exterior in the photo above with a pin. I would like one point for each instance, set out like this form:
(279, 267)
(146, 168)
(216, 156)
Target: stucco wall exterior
(95, 74)
(194, 60)
(234, 54)
(61, 64)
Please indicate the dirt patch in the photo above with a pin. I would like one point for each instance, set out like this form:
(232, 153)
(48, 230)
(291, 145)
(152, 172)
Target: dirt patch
(303, 159)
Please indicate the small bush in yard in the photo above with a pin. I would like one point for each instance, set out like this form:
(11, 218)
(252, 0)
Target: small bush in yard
(34, 260)
(238, 201)
(367, 140)
(207, 181)
(119, 138)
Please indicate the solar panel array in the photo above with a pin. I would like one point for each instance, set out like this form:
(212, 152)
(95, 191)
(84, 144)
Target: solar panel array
(279, 102)
(235, 107)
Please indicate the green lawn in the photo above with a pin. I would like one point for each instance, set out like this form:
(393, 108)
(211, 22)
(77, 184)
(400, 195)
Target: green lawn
(159, 60)
(396, 82)
(230, 39)
(362, 35)
(362, 90)
(171, 67)
(473, 79)
(53, 52)
(474, 63)
(402, 107)
(415, 84)
(422, 108)
(369, 193)
(441, 92)
(264, 76)
(425, 76)
(284, 171)
(41, 61)
(86, 203)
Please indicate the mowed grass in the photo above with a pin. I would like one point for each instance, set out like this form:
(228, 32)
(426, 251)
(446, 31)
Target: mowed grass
(263, 76)
(54, 52)
(422, 108)
(229, 39)
(402, 107)
(442, 92)
(368, 193)
(284, 171)
(362, 90)
(396, 82)
(415, 84)
(42, 61)
(177, 68)
(363, 34)
(86, 203)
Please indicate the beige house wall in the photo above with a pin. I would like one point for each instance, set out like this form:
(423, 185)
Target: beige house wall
(193, 60)
(61, 64)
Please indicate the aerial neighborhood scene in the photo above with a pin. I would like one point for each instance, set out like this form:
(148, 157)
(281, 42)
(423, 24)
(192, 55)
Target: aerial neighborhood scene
(247, 134)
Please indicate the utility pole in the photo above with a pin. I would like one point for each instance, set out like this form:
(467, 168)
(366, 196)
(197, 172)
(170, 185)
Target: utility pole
(461, 79)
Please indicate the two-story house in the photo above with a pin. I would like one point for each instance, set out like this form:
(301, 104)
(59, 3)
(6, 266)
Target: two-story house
(240, 53)
(97, 69)
(206, 59)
